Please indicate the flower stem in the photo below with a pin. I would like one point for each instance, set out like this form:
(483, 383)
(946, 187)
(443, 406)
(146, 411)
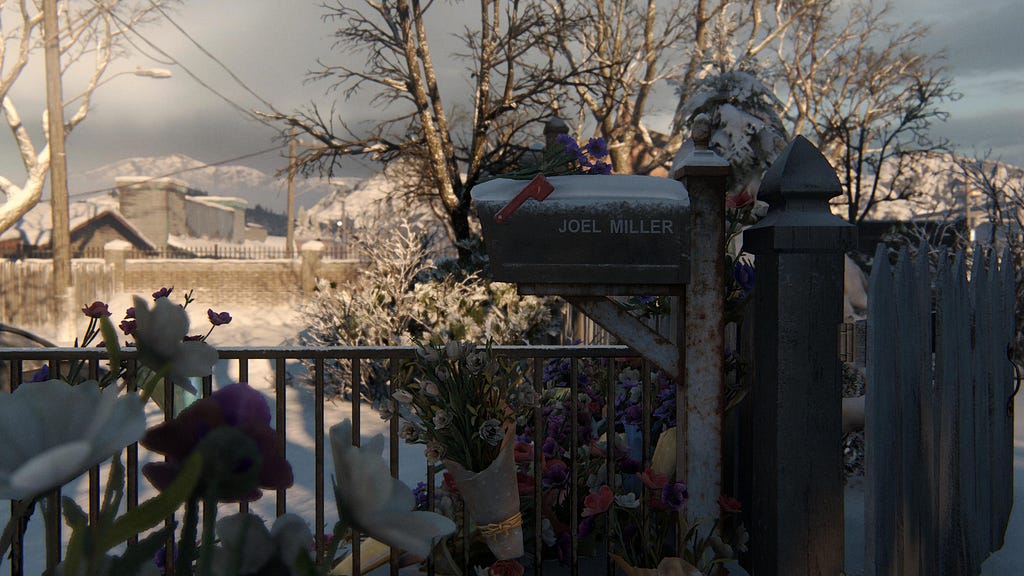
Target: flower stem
(187, 545)
(150, 385)
(209, 522)
(22, 511)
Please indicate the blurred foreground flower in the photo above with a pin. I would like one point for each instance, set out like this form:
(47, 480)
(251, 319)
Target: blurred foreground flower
(51, 432)
(373, 502)
(248, 548)
(159, 333)
(232, 430)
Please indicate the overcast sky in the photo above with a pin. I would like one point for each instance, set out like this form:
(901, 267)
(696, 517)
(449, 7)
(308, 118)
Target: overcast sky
(272, 44)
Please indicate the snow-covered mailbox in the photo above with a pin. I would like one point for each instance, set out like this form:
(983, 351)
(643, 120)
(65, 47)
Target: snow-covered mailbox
(587, 234)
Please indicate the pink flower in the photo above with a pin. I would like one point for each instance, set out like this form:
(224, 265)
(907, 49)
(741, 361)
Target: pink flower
(598, 502)
(740, 200)
(507, 568)
(729, 505)
(653, 480)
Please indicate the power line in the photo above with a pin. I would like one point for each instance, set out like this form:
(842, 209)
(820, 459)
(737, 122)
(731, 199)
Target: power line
(211, 56)
(176, 62)
(184, 170)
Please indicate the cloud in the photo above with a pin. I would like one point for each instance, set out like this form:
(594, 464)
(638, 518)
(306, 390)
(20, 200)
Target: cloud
(997, 131)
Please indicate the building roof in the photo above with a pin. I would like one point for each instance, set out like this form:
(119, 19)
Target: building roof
(34, 227)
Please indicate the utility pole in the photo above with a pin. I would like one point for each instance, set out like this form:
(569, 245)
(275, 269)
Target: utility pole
(60, 236)
(290, 236)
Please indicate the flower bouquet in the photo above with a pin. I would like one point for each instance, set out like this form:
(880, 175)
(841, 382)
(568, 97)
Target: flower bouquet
(455, 400)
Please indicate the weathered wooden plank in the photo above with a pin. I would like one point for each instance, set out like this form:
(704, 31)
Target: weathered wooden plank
(982, 403)
(968, 514)
(993, 346)
(928, 493)
(1009, 316)
(1003, 306)
(882, 468)
(912, 490)
(951, 550)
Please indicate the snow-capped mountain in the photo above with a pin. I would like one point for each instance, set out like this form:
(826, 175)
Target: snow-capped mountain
(245, 182)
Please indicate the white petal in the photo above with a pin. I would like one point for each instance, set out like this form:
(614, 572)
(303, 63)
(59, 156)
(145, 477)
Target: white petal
(49, 469)
(410, 531)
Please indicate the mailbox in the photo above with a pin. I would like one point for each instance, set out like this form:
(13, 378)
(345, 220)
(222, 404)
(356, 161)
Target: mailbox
(587, 235)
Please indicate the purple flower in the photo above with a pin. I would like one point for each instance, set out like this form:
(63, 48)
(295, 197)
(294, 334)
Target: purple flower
(235, 414)
(218, 318)
(420, 494)
(130, 313)
(675, 496)
(163, 293)
(600, 167)
(42, 375)
(586, 527)
(96, 310)
(597, 147)
(128, 327)
(743, 273)
(556, 473)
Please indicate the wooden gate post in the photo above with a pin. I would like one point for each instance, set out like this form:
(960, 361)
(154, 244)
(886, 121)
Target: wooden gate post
(797, 508)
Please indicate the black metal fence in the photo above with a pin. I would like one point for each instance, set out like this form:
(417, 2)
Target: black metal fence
(539, 361)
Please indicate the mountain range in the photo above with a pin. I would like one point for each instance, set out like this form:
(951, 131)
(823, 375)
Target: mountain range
(321, 203)
(255, 186)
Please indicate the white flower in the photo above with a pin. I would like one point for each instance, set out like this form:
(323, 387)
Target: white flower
(441, 419)
(373, 502)
(159, 335)
(51, 432)
(431, 389)
(403, 396)
(627, 500)
(245, 540)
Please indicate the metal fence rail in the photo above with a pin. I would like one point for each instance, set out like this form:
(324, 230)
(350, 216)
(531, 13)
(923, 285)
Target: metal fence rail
(12, 360)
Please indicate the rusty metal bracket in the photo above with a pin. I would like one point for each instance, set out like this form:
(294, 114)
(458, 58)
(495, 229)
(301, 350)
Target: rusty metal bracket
(630, 331)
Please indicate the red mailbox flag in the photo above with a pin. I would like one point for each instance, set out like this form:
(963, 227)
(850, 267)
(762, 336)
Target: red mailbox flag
(539, 188)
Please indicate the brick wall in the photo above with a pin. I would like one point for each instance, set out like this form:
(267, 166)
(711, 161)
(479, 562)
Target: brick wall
(218, 284)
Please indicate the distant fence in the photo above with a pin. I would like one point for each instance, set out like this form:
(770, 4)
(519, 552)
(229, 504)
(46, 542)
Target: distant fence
(25, 294)
(939, 421)
(26, 298)
(213, 251)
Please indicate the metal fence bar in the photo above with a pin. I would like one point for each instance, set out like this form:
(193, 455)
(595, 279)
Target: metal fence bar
(278, 355)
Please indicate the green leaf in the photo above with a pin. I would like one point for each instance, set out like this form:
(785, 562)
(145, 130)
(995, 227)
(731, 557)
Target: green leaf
(79, 522)
(156, 509)
(110, 341)
(73, 513)
(143, 552)
(114, 491)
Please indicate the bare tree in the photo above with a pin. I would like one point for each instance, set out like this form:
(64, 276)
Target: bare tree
(514, 79)
(92, 35)
(635, 45)
(1000, 197)
(868, 96)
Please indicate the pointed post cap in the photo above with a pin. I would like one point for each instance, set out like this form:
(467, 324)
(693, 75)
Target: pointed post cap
(801, 172)
(797, 187)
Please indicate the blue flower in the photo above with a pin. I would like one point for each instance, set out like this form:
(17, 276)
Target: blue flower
(597, 147)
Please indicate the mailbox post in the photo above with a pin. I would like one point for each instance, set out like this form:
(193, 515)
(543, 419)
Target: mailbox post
(700, 403)
(591, 237)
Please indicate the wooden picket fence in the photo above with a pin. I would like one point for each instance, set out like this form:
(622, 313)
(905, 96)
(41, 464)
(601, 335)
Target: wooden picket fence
(939, 415)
